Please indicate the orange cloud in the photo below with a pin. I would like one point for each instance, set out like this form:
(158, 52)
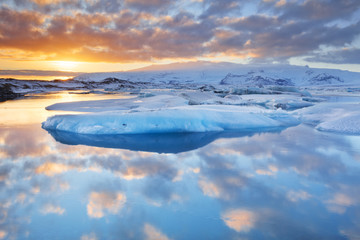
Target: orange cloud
(146, 31)
(92, 37)
(240, 220)
(51, 168)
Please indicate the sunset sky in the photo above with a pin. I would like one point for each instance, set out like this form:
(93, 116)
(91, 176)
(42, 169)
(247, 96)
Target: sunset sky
(115, 35)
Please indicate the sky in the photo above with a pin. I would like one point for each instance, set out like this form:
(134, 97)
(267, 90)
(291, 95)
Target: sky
(116, 35)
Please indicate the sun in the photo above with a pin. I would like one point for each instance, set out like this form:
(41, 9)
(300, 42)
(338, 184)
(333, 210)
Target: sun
(67, 66)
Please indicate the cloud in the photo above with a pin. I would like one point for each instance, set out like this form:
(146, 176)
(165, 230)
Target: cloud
(91, 236)
(341, 56)
(25, 145)
(149, 167)
(340, 202)
(137, 30)
(318, 10)
(152, 233)
(219, 8)
(52, 209)
(271, 171)
(219, 179)
(240, 220)
(148, 5)
(296, 196)
(253, 23)
(107, 6)
(38, 73)
(101, 203)
(52, 168)
(2, 234)
(209, 189)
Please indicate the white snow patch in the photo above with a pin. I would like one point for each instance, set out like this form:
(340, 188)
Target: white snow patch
(333, 117)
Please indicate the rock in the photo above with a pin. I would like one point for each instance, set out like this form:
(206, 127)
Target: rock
(6, 92)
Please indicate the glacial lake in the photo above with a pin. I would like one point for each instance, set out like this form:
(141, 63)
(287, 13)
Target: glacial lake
(294, 183)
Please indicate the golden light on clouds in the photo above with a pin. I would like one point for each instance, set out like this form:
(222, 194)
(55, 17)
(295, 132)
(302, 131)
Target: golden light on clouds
(239, 219)
(50, 168)
(66, 66)
(132, 173)
(138, 31)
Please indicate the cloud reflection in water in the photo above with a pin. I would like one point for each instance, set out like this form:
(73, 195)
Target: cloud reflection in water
(297, 183)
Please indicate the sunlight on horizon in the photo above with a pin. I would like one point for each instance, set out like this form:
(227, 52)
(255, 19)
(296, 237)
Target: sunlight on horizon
(66, 66)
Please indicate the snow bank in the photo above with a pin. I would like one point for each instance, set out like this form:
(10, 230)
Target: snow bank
(203, 118)
(333, 117)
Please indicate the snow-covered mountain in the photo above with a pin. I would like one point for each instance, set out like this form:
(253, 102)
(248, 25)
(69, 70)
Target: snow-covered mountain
(230, 74)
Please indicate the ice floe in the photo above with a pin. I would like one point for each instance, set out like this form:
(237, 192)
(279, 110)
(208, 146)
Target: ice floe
(202, 118)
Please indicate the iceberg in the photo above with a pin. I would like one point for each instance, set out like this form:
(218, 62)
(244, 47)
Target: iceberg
(181, 119)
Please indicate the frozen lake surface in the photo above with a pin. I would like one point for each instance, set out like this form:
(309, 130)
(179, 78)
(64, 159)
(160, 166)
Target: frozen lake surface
(284, 183)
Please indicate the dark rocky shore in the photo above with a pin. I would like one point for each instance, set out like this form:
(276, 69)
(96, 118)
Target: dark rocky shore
(6, 92)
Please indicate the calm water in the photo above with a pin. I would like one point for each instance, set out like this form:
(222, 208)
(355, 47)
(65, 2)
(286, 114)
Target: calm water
(294, 184)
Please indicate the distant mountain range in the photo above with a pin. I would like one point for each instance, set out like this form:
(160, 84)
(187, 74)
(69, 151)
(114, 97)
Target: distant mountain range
(202, 76)
(230, 74)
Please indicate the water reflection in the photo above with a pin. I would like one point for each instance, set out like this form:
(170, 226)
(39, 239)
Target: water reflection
(30, 109)
(294, 184)
(158, 143)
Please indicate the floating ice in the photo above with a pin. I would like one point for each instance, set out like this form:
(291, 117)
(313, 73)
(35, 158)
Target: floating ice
(202, 118)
